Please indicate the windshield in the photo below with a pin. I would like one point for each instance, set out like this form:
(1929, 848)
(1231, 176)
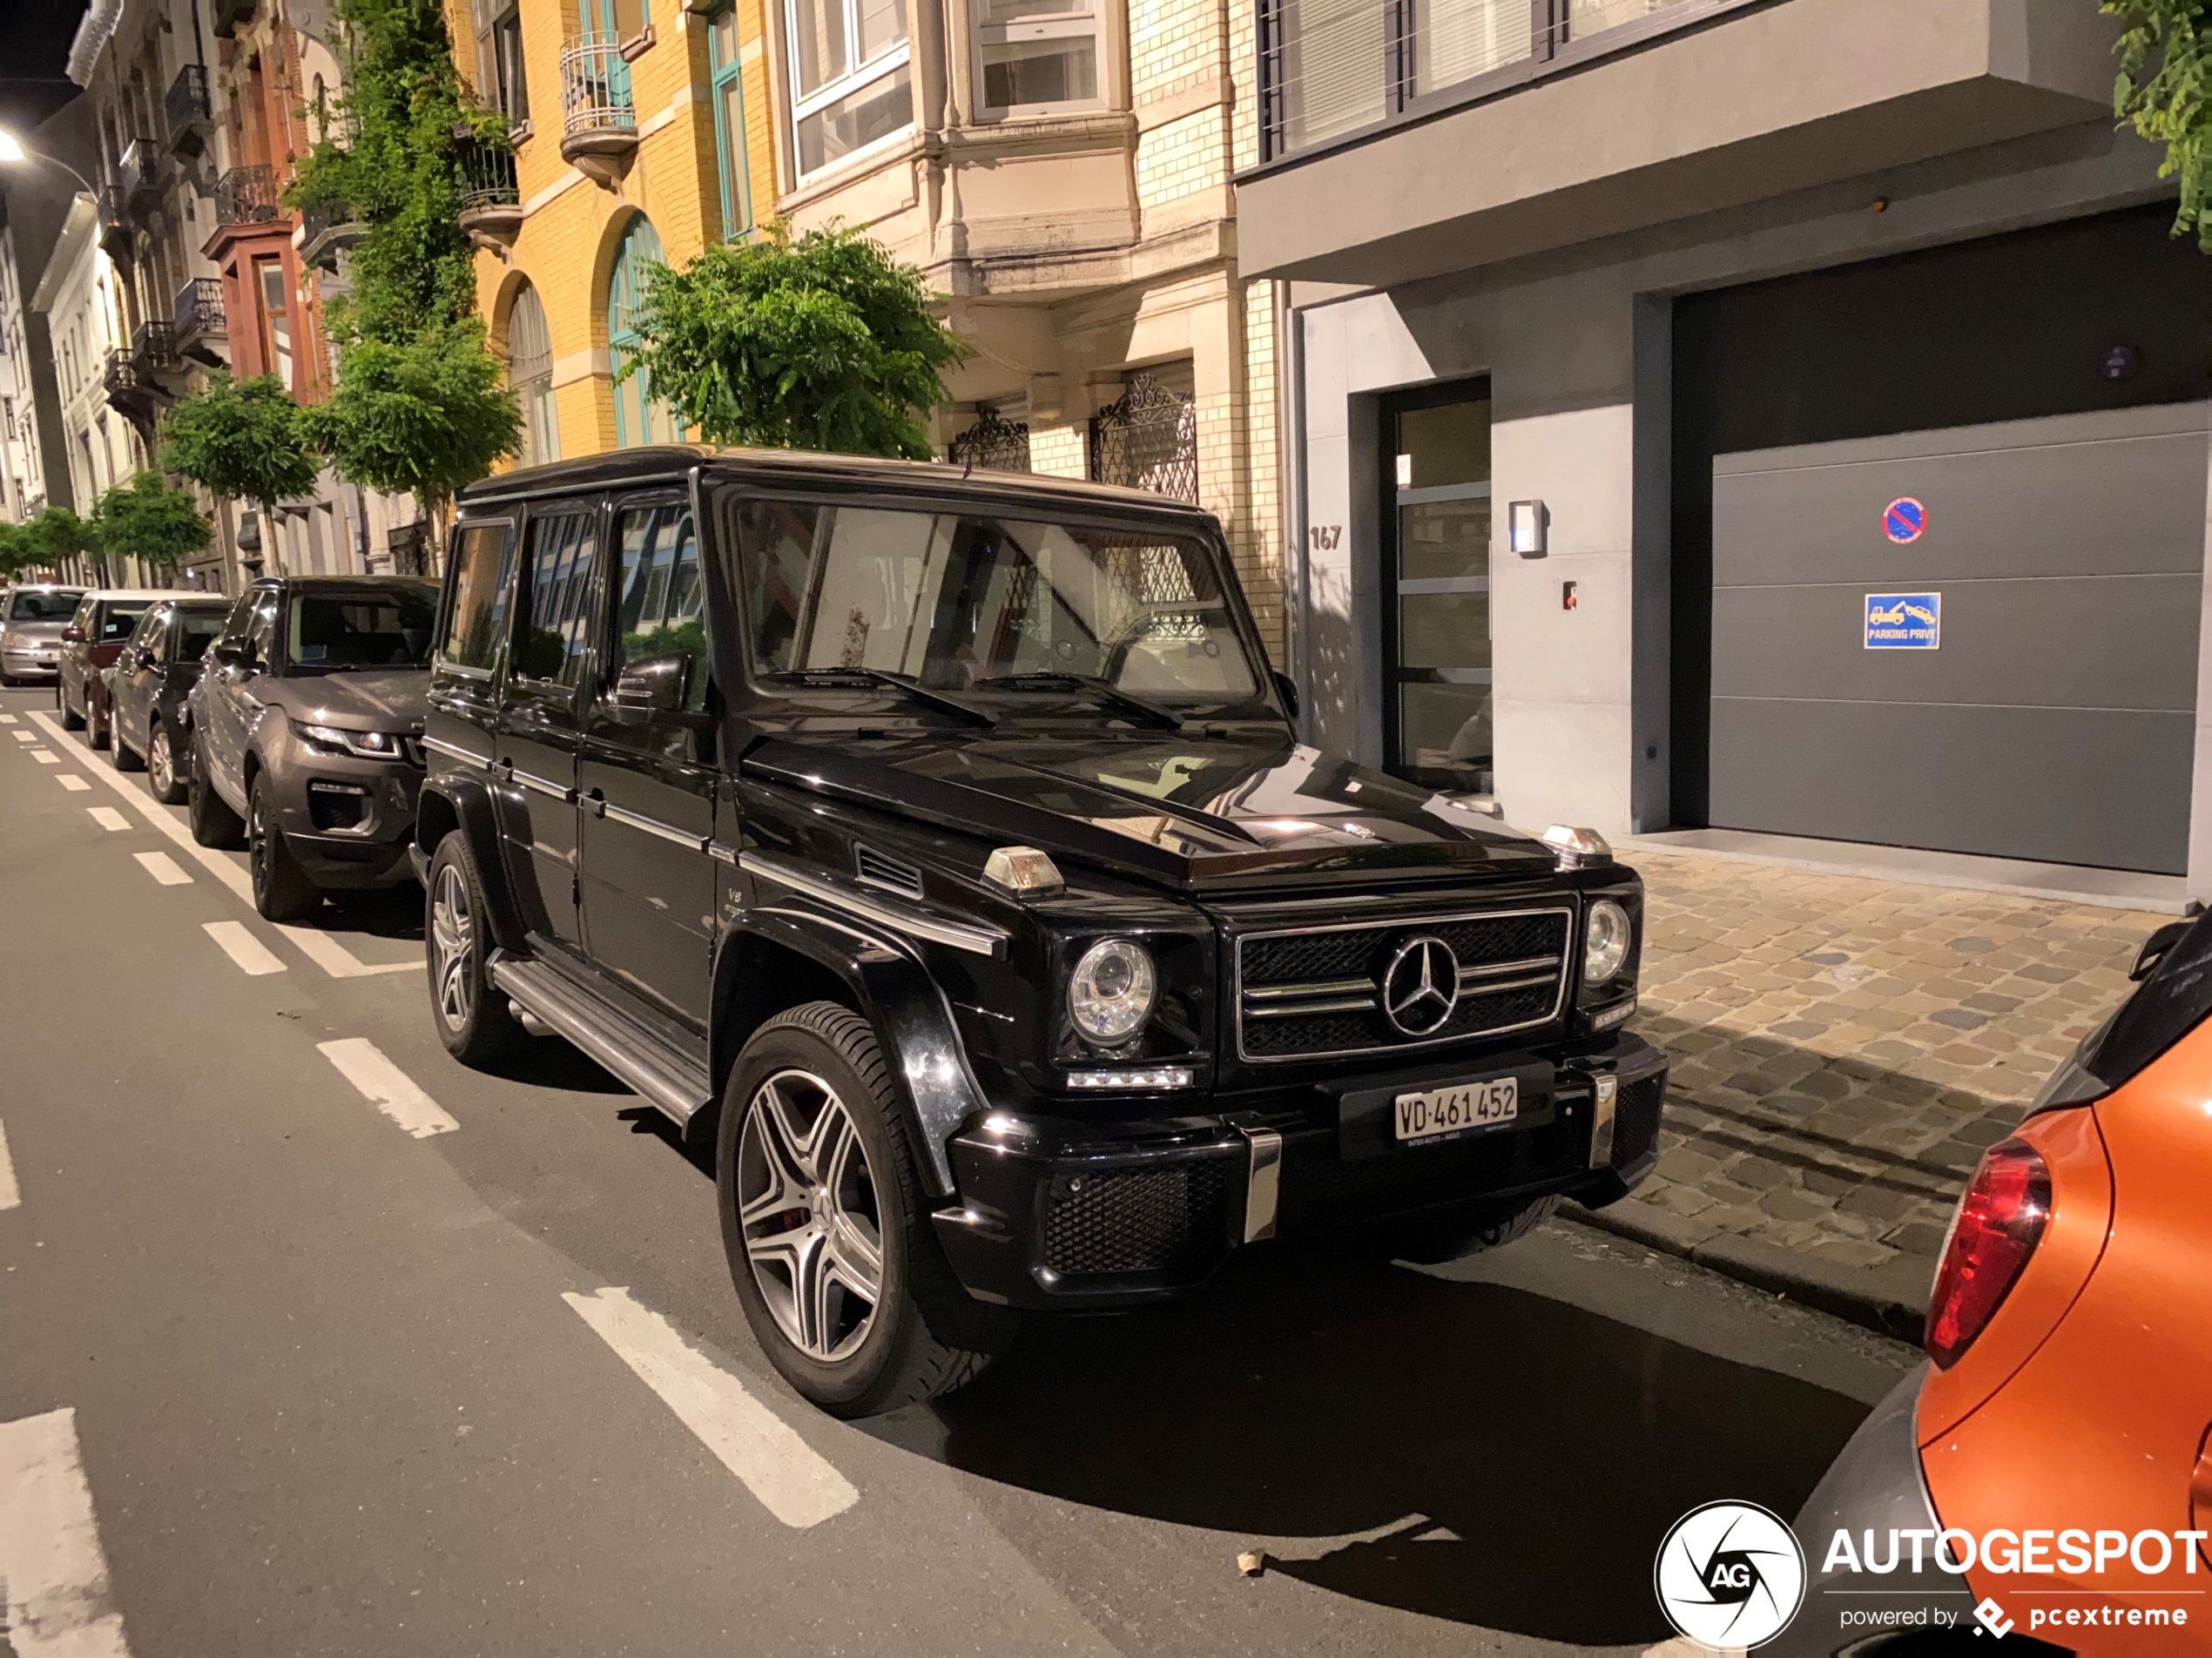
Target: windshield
(118, 619)
(51, 604)
(963, 602)
(388, 630)
(196, 630)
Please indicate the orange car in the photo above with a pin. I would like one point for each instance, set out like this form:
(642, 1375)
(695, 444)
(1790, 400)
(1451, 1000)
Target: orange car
(2057, 1445)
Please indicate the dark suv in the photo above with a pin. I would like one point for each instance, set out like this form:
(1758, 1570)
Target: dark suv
(939, 849)
(307, 734)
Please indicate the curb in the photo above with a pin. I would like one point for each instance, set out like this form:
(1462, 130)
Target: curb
(1890, 1299)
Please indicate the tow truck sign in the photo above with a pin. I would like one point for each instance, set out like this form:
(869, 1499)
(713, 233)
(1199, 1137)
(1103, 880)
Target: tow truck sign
(1904, 621)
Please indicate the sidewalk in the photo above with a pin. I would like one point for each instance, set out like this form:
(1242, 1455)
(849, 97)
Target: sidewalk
(1843, 1050)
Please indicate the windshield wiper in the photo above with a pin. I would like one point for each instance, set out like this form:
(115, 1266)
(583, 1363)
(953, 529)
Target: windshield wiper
(1104, 690)
(912, 688)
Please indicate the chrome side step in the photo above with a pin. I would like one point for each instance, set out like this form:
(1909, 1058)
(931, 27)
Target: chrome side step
(674, 1083)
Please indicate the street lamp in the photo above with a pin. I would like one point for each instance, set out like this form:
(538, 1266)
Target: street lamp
(14, 153)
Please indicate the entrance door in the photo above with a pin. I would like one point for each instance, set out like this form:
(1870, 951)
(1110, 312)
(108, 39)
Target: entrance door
(1436, 588)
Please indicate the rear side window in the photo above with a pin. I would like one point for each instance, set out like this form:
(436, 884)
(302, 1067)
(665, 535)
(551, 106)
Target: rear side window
(152, 633)
(478, 618)
(118, 619)
(657, 606)
(196, 630)
(556, 633)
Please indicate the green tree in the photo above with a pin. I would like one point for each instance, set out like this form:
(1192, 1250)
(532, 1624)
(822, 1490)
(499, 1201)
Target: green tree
(15, 554)
(56, 535)
(2164, 91)
(245, 440)
(821, 341)
(150, 521)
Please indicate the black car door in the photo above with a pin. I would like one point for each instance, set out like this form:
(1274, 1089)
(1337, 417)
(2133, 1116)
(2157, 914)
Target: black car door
(137, 674)
(462, 723)
(648, 764)
(540, 724)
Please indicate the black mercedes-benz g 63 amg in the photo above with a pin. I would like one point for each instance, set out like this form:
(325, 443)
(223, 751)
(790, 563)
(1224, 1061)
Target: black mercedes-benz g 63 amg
(940, 848)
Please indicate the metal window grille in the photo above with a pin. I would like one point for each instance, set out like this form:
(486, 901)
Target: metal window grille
(1148, 440)
(992, 444)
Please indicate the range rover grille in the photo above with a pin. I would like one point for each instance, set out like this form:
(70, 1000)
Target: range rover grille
(1311, 994)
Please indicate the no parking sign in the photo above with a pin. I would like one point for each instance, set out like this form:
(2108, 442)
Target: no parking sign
(1904, 521)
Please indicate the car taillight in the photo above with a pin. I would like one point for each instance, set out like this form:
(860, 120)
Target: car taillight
(2001, 1220)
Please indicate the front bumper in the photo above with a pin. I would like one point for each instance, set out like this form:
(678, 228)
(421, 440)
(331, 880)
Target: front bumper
(30, 665)
(348, 821)
(1060, 1212)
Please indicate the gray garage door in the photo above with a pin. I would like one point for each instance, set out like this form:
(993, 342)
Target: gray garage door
(2005, 663)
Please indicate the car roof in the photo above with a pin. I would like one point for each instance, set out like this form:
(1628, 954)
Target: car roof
(143, 593)
(352, 581)
(670, 462)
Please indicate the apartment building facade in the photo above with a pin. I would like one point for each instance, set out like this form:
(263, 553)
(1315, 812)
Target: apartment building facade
(1058, 170)
(23, 486)
(1784, 417)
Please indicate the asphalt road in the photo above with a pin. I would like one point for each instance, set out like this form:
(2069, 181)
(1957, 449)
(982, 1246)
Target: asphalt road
(314, 1342)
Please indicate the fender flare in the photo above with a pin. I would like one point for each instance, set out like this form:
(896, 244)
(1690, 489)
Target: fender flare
(446, 804)
(894, 990)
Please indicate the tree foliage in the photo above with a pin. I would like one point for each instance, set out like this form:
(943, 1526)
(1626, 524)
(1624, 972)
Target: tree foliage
(148, 520)
(17, 554)
(2164, 91)
(427, 415)
(243, 439)
(57, 533)
(821, 341)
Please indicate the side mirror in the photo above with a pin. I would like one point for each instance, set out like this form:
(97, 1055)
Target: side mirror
(229, 653)
(1286, 688)
(2155, 948)
(657, 685)
(72, 635)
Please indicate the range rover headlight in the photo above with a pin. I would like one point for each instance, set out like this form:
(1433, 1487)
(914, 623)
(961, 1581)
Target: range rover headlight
(1110, 996)
(1605, 942)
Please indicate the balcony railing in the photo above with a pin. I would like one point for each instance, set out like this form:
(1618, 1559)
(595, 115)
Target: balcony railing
(1331, 67)
(594, 89)
(140, 173)
(115, 222)
(325, 232)
(191, 116)
(247, 196)
(487, 179)
(199, 309)
(153, 348)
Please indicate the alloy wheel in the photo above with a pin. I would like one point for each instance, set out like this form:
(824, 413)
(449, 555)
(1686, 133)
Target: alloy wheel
(453, 937)
(806, 1204)
(160, 764)
(257, 844)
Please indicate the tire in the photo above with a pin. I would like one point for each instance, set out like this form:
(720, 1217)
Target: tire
(72, 720)
(809, 1091)
(281, 889)
(474, 1019)
(213, 823)
(99, 728)
(162, 780)
(1435, 1243)
(120, 754)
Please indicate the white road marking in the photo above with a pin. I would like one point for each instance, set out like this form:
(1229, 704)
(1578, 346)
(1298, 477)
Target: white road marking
(45, 759)
(387, 1087)
(59, 1604)
(163, 868)
(10, 1194)
(321, 949)
(7, 719)
(792, 1481)
(108, 818)
(70, 781)
(252, 956)
(25, 737)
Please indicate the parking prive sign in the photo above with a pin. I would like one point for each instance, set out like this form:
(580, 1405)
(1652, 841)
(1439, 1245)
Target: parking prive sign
(1904, 621)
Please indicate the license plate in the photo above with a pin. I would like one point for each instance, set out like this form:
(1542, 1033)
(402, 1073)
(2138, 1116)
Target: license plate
(1447, 1113)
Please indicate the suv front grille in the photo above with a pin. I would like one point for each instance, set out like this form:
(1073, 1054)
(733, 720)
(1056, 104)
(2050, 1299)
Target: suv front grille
(1137, 1220)
(1321, 993)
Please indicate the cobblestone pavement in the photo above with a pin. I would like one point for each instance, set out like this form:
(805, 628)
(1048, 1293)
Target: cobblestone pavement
(1843, 1050)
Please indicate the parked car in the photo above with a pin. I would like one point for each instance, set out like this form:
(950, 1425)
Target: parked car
(91, 642)
(148, 686)
(306, 728)
(2066, 1396)
(31, 631)
(941, 852)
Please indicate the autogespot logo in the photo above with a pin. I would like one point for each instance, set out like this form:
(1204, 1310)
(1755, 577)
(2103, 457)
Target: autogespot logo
(1729, 1575)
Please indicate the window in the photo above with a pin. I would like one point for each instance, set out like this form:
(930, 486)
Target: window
(557, 637)
(260, 627)
(849, 67)
(152, 633)
(530, 370)
(118, 620)
(276, 320)
(478, 615)
(727, 62)
(1037, 53)
(1436, 621)
(658, 606)
(198, 628)
(499, 58)
(639, 416)
(384, 629)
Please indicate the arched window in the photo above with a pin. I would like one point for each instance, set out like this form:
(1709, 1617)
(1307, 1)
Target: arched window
(530, 371)
(640, 417)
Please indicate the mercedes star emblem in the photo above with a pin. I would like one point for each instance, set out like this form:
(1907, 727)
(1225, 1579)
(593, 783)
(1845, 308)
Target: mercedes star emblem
(1420, 988)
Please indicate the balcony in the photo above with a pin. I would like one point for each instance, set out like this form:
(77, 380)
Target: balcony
(1497, 129)
(598, 120)
(491, 204)
(225, 16)
(116, 234)
(198, 328)
(325, 234)
(191, 121)
(140, 175)
(143, 380)
(247, 196)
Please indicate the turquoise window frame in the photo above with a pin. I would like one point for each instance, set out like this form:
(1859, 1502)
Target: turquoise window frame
(729, 147)
(634, 421)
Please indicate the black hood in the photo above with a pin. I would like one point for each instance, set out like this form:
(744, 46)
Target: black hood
(1189, 812)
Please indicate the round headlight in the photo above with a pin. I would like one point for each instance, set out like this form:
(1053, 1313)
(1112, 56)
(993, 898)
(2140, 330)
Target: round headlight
(1110, 996)
(1605, 942)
